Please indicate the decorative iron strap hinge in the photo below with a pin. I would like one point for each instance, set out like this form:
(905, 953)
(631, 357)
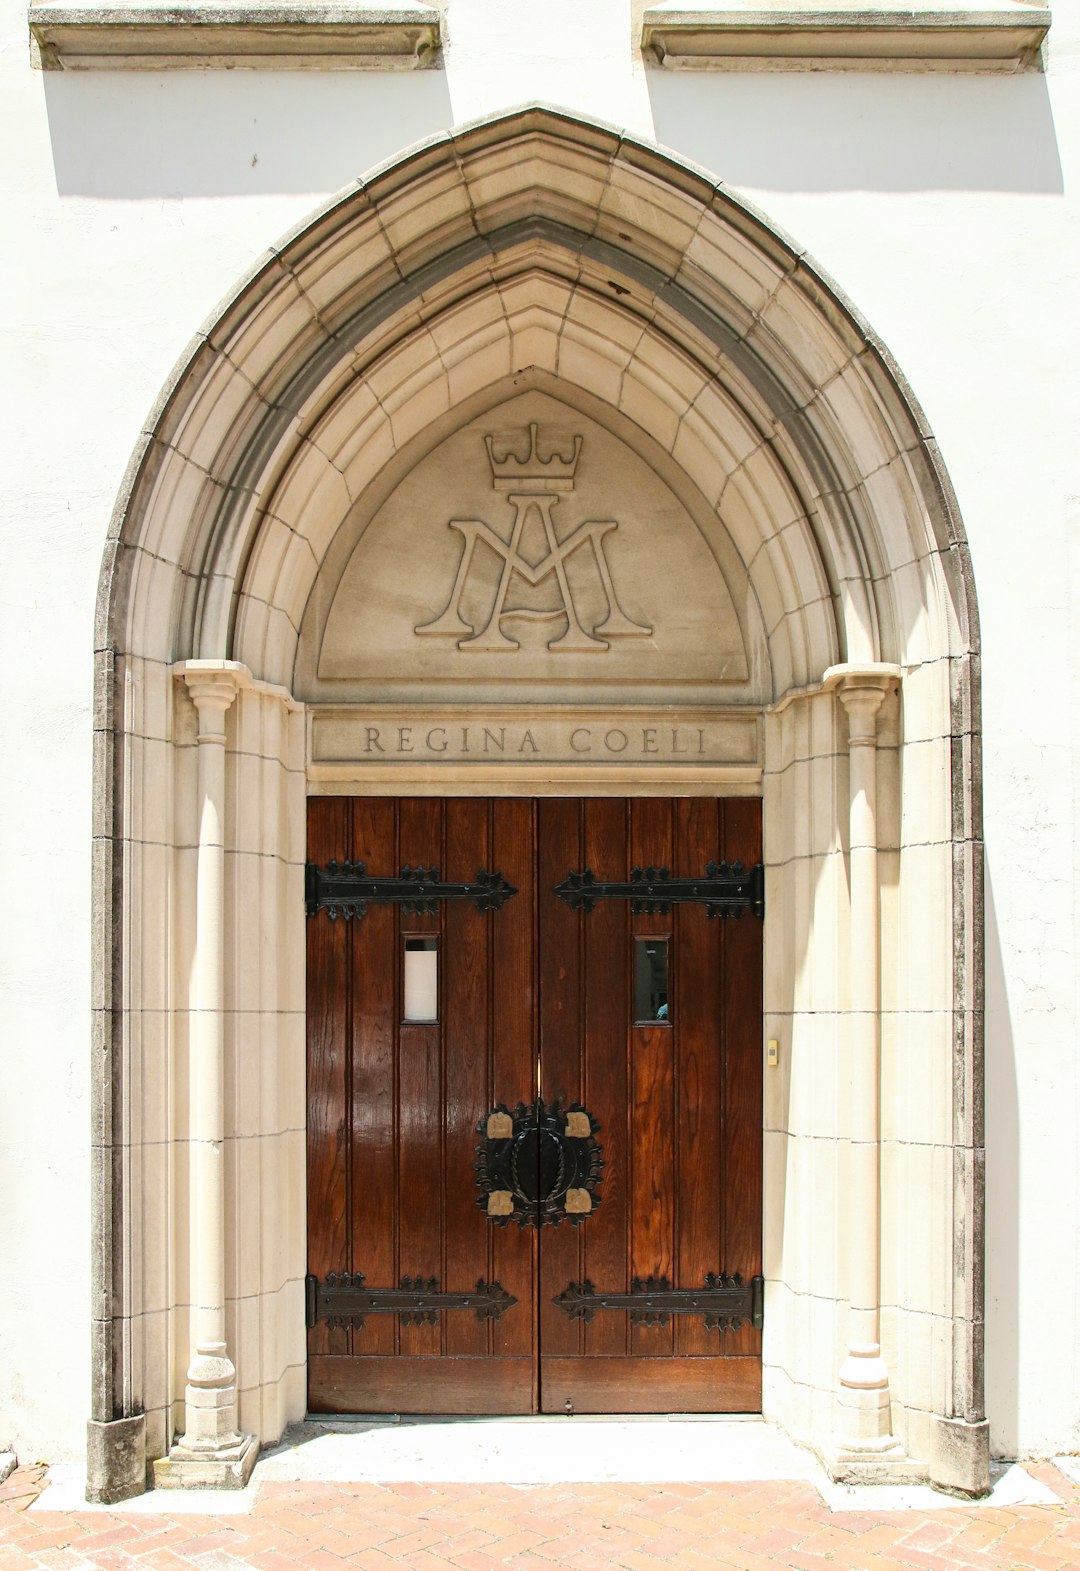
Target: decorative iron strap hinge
(345, 889)
(725, 1302)
(343, 1300)
(727, 889)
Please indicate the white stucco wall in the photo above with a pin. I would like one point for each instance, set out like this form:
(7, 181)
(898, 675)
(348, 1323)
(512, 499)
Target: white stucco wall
(942, 205)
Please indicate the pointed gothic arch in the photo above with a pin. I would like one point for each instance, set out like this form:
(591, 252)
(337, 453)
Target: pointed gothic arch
(536, 250)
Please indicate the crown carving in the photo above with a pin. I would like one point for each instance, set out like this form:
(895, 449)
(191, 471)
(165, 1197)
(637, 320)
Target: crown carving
(534, 472)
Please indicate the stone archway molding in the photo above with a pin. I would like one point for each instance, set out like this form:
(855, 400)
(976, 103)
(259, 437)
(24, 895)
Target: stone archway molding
(534, 245)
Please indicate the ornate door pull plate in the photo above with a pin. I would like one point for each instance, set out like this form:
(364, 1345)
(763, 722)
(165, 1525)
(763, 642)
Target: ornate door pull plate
(538, 1165)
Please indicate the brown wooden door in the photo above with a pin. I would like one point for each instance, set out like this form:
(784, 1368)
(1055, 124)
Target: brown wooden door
(678, 1101)
(534, 999)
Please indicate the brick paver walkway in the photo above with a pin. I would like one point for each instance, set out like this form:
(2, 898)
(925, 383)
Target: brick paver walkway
(639, 1527)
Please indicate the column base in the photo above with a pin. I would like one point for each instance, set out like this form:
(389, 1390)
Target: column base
(960, 1457)
(879, 1462)
(115, 1459)
(220, 1467)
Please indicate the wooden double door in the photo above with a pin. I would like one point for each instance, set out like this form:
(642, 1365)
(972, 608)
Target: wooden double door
(534, 1118)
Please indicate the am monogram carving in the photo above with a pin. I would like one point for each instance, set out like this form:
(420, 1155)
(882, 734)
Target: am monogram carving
(533, 486)
(531, 555)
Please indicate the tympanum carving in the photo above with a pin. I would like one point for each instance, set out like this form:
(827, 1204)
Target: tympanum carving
(533, 485)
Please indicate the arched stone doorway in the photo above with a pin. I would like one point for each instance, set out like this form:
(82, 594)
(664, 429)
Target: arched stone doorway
(541, 269)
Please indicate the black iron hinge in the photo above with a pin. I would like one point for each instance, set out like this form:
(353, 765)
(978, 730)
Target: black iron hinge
(727, 889)
(345, 889)
(343, 1299)
(725, 1302)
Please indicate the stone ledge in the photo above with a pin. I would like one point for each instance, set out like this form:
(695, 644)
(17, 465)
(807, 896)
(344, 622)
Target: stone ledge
(847, 35)
(284, 35)
(228, 1468)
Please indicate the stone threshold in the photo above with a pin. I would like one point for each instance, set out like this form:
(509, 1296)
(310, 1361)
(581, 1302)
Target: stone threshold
(544, 1451)
(284, 35)
(847, 35)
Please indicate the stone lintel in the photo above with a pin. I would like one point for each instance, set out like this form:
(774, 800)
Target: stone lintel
(847, 35)
(115, 1459)
(284, 35)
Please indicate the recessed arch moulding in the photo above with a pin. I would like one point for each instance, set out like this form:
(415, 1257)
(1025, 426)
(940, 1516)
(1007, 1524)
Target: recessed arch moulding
(780, 535)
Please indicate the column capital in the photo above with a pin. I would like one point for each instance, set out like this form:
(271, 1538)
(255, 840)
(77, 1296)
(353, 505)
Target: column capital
(862, 705)
(212, 685)
(861, 689)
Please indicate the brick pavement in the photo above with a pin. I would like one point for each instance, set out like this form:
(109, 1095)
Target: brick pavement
(587, 1527)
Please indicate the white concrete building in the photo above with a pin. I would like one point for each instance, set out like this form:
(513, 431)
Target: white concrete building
(605, 404)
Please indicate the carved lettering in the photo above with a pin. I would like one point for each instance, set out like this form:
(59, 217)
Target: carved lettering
(555, 734)
(532, 485)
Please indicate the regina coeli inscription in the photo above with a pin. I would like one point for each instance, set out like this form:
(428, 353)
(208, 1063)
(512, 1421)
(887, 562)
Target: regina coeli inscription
(532, 550)
(379, 736)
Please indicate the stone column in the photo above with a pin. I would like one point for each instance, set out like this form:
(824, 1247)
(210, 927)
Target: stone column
(864, 1444)
(211, 1452)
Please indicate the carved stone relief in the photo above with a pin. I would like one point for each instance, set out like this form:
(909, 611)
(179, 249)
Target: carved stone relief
(532, 548)
(533, 484)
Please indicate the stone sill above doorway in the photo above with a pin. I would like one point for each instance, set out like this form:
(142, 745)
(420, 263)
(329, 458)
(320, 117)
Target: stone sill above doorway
(1002, 37)
(284, 35)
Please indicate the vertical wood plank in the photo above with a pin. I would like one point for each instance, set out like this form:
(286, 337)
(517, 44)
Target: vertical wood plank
(742, 1092)
(607, 1004)
(655, 1178)
(328, 1026)
(373, 1124)
(559, 850)
(697, 1024)
(513, 1059)
(467, 989)
(420, 1090)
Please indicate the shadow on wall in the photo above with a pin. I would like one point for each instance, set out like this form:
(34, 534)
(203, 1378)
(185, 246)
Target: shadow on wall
(236, 133)
(1002, 1308)
(862, 131)
(232, 133)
